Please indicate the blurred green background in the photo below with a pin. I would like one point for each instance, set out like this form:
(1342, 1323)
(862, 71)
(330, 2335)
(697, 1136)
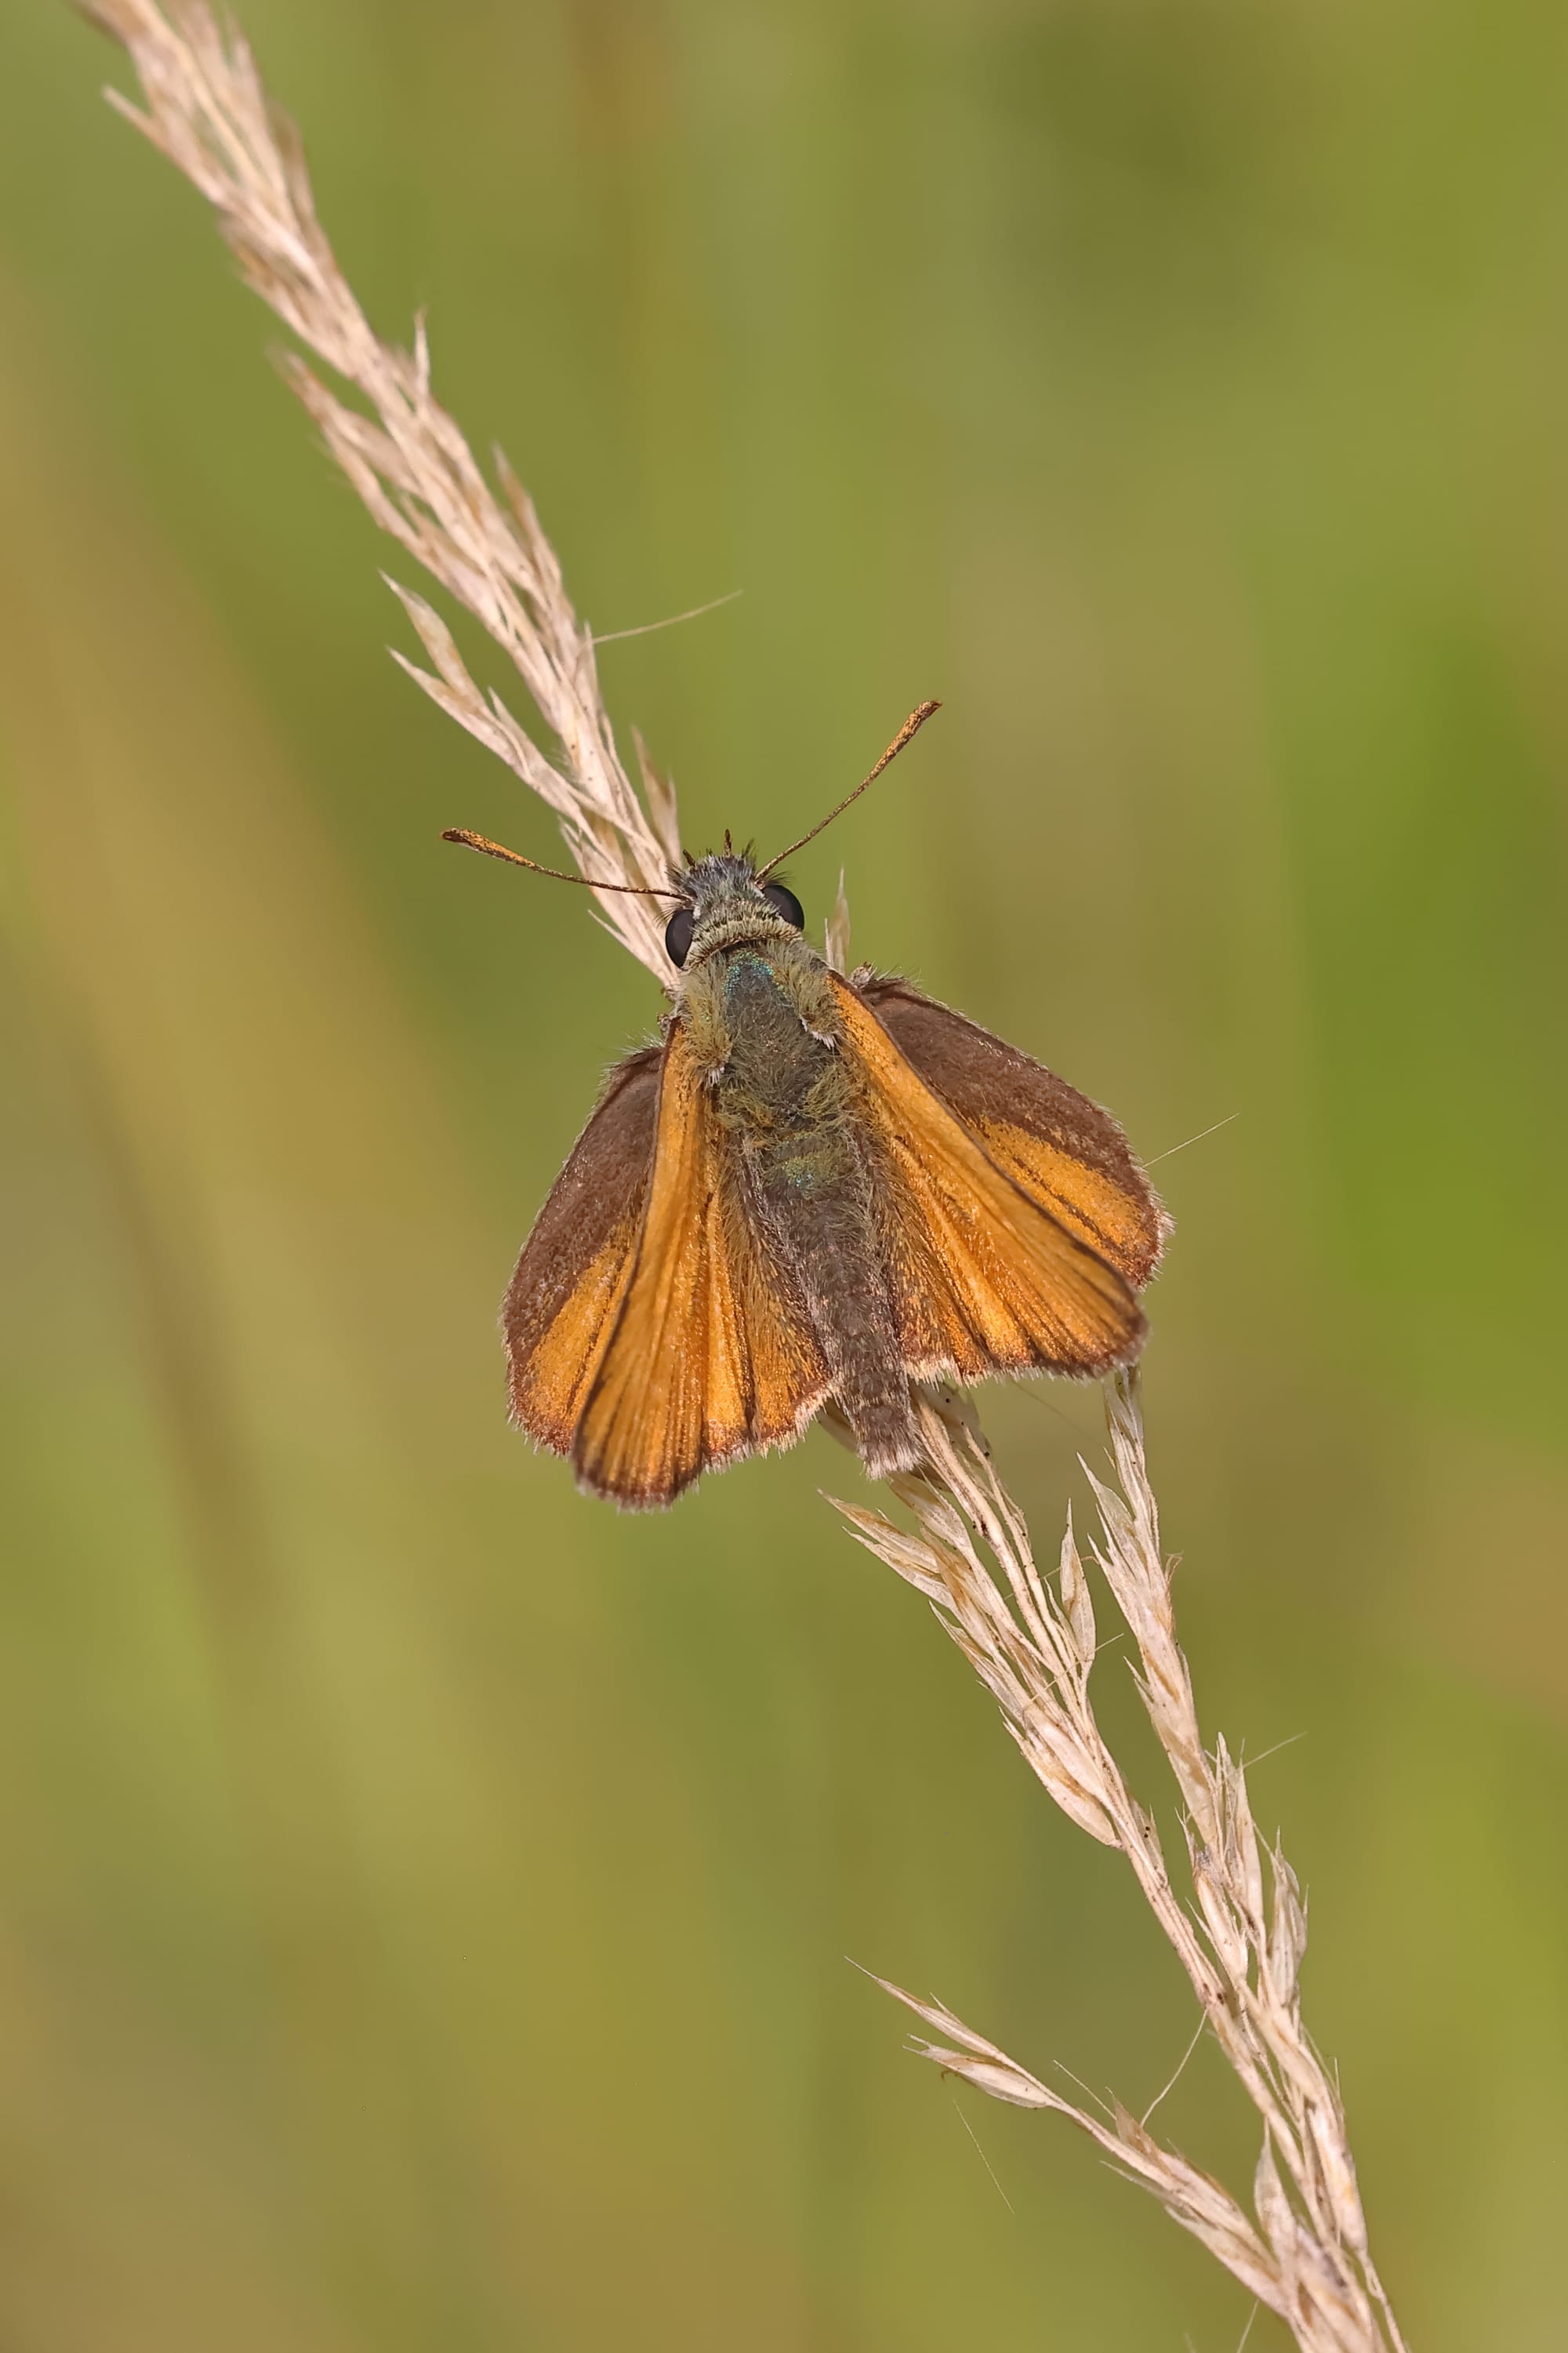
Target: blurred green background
(425, 1892)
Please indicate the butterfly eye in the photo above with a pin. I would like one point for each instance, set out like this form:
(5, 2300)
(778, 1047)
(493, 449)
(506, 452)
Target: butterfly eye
(785, 903)
(678, 935)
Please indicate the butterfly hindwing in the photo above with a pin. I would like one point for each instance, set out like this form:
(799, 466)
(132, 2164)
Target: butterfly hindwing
(563, 1300)
(985, 1277)
(1066, 1153)
(710, 1355)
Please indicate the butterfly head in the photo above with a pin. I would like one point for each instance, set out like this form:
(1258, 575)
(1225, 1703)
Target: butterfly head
(724, 904)
(725, 900)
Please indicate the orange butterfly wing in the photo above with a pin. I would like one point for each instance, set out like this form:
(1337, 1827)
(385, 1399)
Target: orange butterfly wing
(710, 1355)
(985, 1278)
(1066, 1153)
(563, 1298)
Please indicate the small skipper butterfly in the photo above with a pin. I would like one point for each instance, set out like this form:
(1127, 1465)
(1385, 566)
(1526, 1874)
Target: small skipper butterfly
(812, 1188)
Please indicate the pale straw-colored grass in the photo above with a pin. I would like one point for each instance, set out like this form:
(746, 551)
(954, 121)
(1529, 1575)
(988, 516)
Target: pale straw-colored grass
(1303, 2249)
(1233, 1916)
(208, 110)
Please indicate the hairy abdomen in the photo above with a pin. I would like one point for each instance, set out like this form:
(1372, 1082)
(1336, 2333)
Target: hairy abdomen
(782, 1097)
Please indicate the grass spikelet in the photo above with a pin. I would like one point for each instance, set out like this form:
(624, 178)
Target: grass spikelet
(1234, 1919)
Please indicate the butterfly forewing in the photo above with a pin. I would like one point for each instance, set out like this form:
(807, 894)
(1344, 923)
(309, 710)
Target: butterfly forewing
(1066, 1153)
(710, 1355)
(985, 1278)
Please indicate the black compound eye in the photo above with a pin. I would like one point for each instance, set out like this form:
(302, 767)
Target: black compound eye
(678, 935)
(785, 903)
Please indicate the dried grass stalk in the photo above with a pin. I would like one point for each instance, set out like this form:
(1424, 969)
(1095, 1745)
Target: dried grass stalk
(209, 112)
(1302, 2249)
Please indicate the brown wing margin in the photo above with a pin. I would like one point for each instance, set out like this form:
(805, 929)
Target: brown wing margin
(562, 1299)
(985, 1278)
(711, 1355)
(1066, 1153)
(571, 1279)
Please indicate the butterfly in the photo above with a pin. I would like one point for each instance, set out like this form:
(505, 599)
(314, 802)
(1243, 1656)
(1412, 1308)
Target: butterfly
(812, 1189)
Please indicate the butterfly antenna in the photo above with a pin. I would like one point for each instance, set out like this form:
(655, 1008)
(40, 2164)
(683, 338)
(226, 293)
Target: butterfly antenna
(906, 734)
(514, 858)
